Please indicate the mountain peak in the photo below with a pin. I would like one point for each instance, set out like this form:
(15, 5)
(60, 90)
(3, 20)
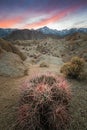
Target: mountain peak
(45, 27)
(46, 30)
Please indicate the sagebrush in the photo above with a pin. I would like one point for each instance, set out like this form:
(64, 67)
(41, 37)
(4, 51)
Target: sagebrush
(74, 68)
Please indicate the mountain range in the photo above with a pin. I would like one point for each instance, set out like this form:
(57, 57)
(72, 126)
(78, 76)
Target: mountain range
(42, 32)
(25, 34)
(65, 32)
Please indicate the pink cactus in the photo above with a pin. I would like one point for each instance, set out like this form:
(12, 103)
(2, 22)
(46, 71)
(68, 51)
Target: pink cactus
(45, 96)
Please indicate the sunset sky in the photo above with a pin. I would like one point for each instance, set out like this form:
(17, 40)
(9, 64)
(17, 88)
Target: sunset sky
(56, 14)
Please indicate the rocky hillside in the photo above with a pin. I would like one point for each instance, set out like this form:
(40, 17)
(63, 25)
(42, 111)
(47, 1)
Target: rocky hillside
(11, 65)
(11, 60)
(9, 47)
(25, 35)
(77, 36)
(76, 45)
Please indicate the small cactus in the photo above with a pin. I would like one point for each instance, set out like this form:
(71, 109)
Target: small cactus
(44, 104)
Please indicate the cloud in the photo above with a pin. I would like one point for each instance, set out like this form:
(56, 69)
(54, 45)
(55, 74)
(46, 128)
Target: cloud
(17, 13)
(10, 22)
(80, 24)
(52, 19)
(7, 24)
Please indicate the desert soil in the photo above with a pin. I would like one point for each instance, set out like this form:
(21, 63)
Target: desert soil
(10, 88)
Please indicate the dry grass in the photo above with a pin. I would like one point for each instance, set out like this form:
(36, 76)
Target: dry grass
(78, 105)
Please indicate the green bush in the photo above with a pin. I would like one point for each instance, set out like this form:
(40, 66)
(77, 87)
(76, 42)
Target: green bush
(74, 68)
(44, 104)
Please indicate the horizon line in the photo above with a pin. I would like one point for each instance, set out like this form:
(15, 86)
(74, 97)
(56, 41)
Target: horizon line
(43, 27)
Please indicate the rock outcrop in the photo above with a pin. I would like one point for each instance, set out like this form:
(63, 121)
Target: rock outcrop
(9, 47)
(11, 65)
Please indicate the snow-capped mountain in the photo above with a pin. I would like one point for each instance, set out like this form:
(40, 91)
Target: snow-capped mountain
(46, 30)
(65, 32)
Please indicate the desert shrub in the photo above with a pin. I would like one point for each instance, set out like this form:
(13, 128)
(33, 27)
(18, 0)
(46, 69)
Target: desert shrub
(43, 64)
(26, 71)
(74, 68)
(32, 61)
(44, 104)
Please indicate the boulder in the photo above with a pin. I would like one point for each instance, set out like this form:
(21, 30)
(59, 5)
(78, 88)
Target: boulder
(11, 65)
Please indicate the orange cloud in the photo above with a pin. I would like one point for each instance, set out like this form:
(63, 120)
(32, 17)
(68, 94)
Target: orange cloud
(53, 18)
(14, 20)
(10, 22)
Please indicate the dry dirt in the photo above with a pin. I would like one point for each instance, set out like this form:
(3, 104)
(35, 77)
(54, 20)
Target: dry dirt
(10, 88)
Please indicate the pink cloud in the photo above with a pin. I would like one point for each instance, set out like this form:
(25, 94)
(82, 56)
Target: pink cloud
(14, 20)
(53, 18)
(9, 22)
